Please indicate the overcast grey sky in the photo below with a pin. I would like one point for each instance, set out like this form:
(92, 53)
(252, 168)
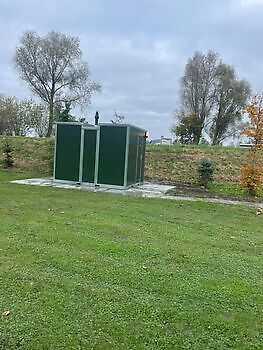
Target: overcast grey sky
(138, 49)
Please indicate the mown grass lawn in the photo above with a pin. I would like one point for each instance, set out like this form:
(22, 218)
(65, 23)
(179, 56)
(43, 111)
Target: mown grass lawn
(233, 189)
(83, 270)
(227, 190)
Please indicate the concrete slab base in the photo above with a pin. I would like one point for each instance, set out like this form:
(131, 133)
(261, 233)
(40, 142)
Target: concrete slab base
(146, 190)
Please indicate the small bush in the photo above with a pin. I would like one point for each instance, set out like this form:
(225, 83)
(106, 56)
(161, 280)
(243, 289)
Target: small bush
(8, 161)
(251, 178)
(252, 170)
(205, 171)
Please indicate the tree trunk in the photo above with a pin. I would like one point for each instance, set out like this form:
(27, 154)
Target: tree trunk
(197, 136)
(51, 119)
(216, 131)
(198, 132)
(215, 141)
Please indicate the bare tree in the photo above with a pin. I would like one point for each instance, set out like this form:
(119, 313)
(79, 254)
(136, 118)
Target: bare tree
(13, 120)
(6, 109)
(39, 120)
(53, 69)
(230, 101)
(213, 96)
(118, 118)
(197, 89)
(19, 117)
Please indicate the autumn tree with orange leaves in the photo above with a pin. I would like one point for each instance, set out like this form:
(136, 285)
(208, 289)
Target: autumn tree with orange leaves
(252, 170)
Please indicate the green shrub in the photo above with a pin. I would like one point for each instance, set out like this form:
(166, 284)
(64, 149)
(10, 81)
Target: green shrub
(205, 171)
(8, 161)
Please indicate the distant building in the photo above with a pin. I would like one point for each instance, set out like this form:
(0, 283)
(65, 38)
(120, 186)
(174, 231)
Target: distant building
(162, 141)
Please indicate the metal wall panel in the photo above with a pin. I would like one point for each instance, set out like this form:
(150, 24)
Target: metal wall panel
(132, 159)
(136, 156)
(67, 152)
(112, 155)
(139, 158)
(89, 155)
(143, 159)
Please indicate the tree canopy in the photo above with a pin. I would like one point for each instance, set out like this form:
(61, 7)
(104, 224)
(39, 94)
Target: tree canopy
(52, 67)
(212, 99)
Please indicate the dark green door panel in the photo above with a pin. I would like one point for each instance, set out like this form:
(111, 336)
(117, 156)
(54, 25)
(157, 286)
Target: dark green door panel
(112, 155)
(89, 155)
(67, 152)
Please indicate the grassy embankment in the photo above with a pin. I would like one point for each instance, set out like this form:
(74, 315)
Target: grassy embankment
(30, 154)
(179, 162)
(163, 163)
(82, 270)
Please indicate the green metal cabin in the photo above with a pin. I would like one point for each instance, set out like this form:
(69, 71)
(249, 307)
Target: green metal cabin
(110, 155)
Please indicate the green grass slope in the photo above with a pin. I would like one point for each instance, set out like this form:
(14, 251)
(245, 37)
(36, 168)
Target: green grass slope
(179, 162)
(30, 154)
(82, 270)
(162, 163)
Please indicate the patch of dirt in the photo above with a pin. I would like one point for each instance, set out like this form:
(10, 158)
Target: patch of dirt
(190, 190)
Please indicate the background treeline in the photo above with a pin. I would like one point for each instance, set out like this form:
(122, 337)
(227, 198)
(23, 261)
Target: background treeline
(22, 117)
(210, 108)
(27, 118)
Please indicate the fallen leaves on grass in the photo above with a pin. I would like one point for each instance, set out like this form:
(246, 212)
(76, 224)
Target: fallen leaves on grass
(259, 211)
(6, 313)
